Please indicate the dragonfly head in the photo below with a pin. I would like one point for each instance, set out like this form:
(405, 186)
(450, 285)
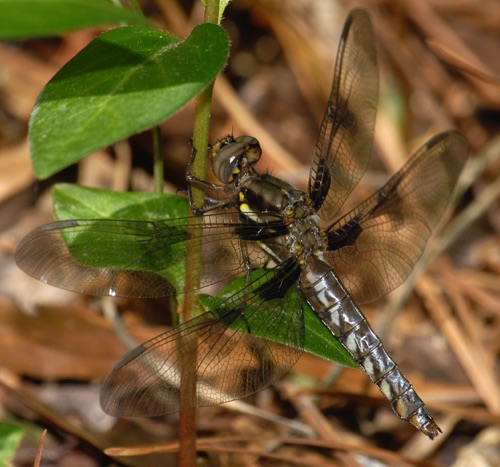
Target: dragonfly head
(234, 157)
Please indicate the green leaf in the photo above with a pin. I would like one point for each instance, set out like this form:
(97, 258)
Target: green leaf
(78, 202)
(318, 339)
(22, 19)
(10, 439)
(125, 81)
(96, 242)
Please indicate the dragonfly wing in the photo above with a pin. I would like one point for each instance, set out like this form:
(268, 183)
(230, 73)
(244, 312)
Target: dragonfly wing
(85, 255)
(374, 247)
(346, 135)
(136, 258)
(225, 349)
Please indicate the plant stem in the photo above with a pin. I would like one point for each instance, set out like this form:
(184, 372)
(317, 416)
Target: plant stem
(188, 396)
(135, 6)
(158, 166)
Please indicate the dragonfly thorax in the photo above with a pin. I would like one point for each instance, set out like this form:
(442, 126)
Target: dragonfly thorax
(306, 238)
(264, 198)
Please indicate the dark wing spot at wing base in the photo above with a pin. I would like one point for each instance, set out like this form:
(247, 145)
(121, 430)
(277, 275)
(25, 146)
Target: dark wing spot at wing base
(254, 231)
(278, 286)
(345, 236)
(319, 191)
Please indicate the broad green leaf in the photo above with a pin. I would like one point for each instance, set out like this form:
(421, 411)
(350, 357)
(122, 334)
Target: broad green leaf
(125, 81)
(78, 202)
(96, 241)
(22, 19)
(318, 339)
(10, 439)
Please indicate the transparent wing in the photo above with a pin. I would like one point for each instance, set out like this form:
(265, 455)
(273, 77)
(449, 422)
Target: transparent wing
(374, 247)
(226, 350)
(345, 139)
(139, 258)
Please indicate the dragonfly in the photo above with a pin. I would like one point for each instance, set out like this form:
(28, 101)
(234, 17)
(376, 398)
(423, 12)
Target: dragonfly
(270, 237)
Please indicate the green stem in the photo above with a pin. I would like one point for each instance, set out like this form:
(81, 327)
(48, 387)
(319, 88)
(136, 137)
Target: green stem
(135, 6)
(201, 132)
(158, 165)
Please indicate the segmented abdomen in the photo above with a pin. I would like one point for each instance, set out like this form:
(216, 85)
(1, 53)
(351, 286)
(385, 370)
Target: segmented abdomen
(329, 299)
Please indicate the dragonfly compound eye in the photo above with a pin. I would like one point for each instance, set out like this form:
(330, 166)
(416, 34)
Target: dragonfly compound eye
(252, 149)
(232, 156)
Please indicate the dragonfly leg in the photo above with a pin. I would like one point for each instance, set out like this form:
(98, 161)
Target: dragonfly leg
(246, 260)
(213, 203)
(207, 186)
